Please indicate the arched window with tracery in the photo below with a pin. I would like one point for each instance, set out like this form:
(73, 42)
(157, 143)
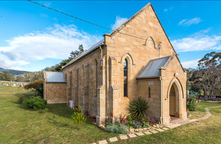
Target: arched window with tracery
(125, 78)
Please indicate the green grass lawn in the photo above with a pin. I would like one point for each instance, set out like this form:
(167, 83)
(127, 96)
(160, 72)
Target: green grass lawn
(21, 125)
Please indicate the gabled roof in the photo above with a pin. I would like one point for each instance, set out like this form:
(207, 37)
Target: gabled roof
(135, 15)
(55, 76)
(124, 24)
(151, 70)
(97, 45)
(94, 47)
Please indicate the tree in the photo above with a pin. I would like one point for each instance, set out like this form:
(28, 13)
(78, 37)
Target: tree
(76, 52)
(208, 75)
(37, 86)
(73, 54)
(37, 76)
(19, 78)
(6, 76)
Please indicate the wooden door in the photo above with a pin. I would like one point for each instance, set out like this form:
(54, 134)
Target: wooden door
(172, 102)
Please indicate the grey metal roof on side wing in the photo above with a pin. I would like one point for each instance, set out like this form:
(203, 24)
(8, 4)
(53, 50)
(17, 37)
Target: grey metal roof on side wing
(55, 76)
(151, 70)
(98, 44)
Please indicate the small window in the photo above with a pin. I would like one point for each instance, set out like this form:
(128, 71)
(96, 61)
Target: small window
(149, 92)
(125, 78)
(65, 77)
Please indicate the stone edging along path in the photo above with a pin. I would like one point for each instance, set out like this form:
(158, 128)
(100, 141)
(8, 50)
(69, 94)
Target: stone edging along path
(155, 130)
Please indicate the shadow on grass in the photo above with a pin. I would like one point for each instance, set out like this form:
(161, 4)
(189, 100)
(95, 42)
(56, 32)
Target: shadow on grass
(62, 110)
(62, 124)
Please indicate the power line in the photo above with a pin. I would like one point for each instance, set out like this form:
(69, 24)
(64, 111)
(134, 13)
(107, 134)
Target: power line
(83, 19)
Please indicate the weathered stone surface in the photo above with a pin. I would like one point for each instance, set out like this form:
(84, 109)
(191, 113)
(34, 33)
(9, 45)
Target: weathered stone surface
(55, 92)
(160, 130)
(132, 135)
(147, 132)
(153, 131)
(114, 139)
(122, 137)
(139, 134)
(165, 128)
(103, 142)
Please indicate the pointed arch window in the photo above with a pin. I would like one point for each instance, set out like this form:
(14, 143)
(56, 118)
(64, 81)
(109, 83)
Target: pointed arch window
(125, 78)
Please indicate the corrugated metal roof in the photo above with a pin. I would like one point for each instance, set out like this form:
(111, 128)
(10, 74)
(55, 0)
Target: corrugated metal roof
(55, 76)
(98, 44)
(152, 68)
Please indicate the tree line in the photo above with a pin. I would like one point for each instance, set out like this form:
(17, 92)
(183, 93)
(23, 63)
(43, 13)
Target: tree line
(26, 77)
(206, 79)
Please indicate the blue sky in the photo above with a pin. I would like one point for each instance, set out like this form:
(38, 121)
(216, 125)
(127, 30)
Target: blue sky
(33, 37)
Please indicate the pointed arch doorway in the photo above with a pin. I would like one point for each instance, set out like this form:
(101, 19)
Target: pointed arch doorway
(172, 105)
(175, 95)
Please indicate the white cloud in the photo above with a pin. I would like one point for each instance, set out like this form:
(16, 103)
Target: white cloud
(198, 42)
(190, 64)
(118, 22)
(187, 22)
(56, 43)
(167, 9)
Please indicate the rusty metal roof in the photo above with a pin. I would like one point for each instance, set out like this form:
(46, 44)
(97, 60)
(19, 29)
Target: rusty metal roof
(151, 70)
(55, 76)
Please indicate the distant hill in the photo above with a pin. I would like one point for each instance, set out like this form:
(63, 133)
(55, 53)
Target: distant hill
(16, 72)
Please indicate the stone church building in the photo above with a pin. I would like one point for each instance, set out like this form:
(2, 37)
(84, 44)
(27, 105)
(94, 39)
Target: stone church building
(135, 60)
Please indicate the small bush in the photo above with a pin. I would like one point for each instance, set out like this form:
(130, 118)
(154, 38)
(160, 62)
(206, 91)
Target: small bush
(21, 98)
(131, 124)
(45, 110)
(129, 118)
(35, 102)
(191, 102)
(78, 117)
(137, 108)
(117, 128)
(37, 86)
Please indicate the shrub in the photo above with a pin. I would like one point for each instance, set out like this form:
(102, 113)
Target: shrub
(137, 108)
(78, 117)
(21, 98)
(129, 118)
(37, 86)
(45, 110)
(35, 102)
(131, 124)
(137, 124)
(191, 102)
(117, 128)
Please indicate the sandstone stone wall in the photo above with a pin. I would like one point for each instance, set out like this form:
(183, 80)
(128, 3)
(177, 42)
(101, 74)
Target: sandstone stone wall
(149, 90)
(55, 92)
(174, 74)
(138, 50)
(83, 80)
(96, 81)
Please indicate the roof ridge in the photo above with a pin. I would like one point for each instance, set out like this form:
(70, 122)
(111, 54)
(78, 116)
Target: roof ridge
(92, 48)
(160, 58)
(169, 60)
(131, 18)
